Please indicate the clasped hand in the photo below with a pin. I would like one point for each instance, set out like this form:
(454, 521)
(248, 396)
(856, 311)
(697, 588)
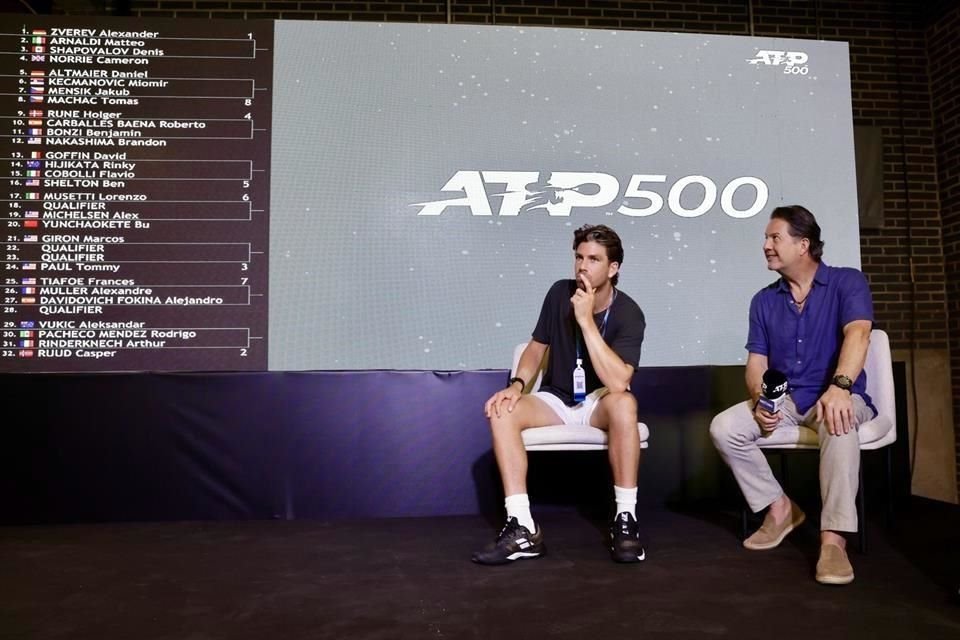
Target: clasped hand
(765, 420)
(583, 300)
(503, 400)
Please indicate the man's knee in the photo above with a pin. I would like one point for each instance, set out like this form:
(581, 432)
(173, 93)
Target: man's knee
(506, 420)
(719, 432)
(724, 429)
(621, 407)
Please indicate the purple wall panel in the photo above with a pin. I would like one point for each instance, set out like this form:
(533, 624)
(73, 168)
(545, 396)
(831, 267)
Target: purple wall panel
(198, 446)
(240, 445)
(387, 443)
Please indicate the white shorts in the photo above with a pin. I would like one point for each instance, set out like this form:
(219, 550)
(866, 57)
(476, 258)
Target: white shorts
(578, 413)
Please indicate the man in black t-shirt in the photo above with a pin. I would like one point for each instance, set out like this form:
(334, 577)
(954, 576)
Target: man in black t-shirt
(594, 333)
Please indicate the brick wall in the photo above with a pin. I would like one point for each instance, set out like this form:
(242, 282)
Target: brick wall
(943, 39)
(898, 49)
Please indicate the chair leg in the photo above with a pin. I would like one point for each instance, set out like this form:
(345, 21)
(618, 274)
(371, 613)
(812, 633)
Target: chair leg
(862, 512)
(888, 455)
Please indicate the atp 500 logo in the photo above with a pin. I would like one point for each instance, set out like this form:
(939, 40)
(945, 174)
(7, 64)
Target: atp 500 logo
(523, 191)
(793, 62)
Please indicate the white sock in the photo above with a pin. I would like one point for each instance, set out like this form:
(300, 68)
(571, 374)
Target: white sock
(626, 500)
(518, 506)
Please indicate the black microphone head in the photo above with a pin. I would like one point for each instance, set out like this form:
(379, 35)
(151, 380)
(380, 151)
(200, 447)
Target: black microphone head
(774, 383)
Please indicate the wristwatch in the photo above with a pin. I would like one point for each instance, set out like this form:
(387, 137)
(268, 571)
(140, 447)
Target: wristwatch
(523, 383)
(842, 381)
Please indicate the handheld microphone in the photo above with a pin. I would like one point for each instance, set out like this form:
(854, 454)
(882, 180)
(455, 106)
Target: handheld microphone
(773, 390)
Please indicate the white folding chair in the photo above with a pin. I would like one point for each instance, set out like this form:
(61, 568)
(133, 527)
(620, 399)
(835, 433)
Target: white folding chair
(565, 437)
(874, 434)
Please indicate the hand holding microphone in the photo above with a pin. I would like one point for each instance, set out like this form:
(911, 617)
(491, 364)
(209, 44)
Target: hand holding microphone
(773, 392)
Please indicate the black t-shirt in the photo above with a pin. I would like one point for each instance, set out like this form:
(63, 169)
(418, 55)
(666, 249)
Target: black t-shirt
(558, 328)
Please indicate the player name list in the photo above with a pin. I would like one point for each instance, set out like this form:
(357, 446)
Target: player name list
(135, 204)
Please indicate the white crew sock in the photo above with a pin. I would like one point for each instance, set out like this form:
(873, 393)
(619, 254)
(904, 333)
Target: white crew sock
(518, 506)
(626, 500)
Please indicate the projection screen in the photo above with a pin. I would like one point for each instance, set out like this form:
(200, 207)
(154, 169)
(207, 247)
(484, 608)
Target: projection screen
(427, 181)
(229, 195)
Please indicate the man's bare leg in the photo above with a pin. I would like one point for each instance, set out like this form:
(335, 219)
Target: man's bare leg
(529, 412)
(520, 538)
(617, 414)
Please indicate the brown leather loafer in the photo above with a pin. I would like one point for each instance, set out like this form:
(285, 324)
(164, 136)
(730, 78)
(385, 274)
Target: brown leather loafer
(770, 534)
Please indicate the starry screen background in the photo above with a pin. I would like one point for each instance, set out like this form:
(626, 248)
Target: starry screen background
(371, 119)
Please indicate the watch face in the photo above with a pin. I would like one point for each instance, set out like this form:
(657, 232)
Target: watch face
(843, 382)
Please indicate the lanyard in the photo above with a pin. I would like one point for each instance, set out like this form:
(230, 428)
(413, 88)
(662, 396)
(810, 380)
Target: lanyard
(603, 324)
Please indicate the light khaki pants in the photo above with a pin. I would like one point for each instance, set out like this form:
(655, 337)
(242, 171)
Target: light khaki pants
(735, 434)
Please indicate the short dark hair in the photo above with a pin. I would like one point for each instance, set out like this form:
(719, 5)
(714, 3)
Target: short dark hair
(802, 225)
(605, 236)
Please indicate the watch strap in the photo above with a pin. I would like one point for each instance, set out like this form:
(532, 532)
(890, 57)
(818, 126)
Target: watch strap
(523, 383)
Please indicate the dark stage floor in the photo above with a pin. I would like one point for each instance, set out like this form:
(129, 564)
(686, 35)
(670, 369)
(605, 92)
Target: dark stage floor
(412, 578)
